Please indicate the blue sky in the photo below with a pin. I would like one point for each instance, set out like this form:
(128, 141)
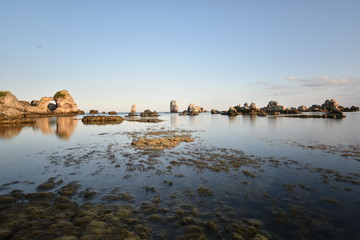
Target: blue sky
(216, 54)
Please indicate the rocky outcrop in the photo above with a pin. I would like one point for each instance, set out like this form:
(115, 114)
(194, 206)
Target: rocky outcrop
(351, 109)
(302, 108)
(214, 111)
(92, 111)
(148, 113)
(64, 102)
(315, 108)
(194, 110)
(132, 112)
(60, 104)
(133, 108)
(247, 109)
(174, 108)
(330, 105)
(102, 120)
(112, 113)
(273, 106)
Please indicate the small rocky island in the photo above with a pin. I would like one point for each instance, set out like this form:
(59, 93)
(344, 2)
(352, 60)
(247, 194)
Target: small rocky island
(13, 110)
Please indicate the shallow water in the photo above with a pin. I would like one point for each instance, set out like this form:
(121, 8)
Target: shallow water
(293, 178)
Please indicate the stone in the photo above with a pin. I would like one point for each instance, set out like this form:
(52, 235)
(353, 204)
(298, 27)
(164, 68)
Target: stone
(302, 108)
(214, 111)
(65, 102)
(92, 111)
(102, 120)
(330, 105)
(133, 108)
(334, 114)
(112, 113)
(174, 108)
(273, 106)
(232, 111)
(148, 113)
(194, 110)
(61, 103)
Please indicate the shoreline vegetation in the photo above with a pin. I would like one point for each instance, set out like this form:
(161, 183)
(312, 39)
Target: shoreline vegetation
(13, 111)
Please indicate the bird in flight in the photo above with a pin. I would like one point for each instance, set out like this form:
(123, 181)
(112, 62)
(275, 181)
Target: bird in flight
(38, 46)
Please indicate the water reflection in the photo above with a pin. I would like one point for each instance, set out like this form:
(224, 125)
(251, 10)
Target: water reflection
(174, 119)
(9, 131)
(62, 127)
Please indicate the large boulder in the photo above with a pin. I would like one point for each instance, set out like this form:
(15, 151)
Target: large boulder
(273, 106)
(65, 102)
(148, 113)
(194, 110)
(302, 108)
(214, 111)
(62, 103)
(330, 105)
(174, 108)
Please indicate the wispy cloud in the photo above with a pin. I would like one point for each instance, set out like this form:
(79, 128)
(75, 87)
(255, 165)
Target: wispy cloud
(321, 81)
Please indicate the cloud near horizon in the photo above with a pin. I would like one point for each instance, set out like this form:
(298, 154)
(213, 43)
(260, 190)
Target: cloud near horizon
(321, 81)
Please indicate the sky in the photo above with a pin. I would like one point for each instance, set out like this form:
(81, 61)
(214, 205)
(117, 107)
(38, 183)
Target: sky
(216, 54)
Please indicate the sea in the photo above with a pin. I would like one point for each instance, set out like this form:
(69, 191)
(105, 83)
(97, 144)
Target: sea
(241, 177)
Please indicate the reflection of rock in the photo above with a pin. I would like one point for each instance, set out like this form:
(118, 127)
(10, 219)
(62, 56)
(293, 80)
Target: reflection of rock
(148, 113)
(334, 114)
(174, 108)
(44, 124)
(9, 131)
(65, 127)
(102, 120)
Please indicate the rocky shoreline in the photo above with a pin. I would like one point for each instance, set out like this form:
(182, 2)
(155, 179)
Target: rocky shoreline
(13, 111)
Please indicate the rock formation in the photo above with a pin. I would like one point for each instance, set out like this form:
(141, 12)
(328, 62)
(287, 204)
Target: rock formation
(92, 111)
(112, 113)
(174, 108)
(214, 111)
(273, 106)
(60, 104)
(194, 110)
(133, 108)
(330, 105)
(302, 108)
(148, 113)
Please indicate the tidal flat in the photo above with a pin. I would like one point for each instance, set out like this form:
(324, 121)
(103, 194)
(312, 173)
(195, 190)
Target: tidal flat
(201, 177)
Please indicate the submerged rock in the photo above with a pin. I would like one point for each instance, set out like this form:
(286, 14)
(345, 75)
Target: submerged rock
(102, 120)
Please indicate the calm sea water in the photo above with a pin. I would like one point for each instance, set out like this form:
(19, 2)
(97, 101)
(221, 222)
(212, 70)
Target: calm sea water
(303, 180)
